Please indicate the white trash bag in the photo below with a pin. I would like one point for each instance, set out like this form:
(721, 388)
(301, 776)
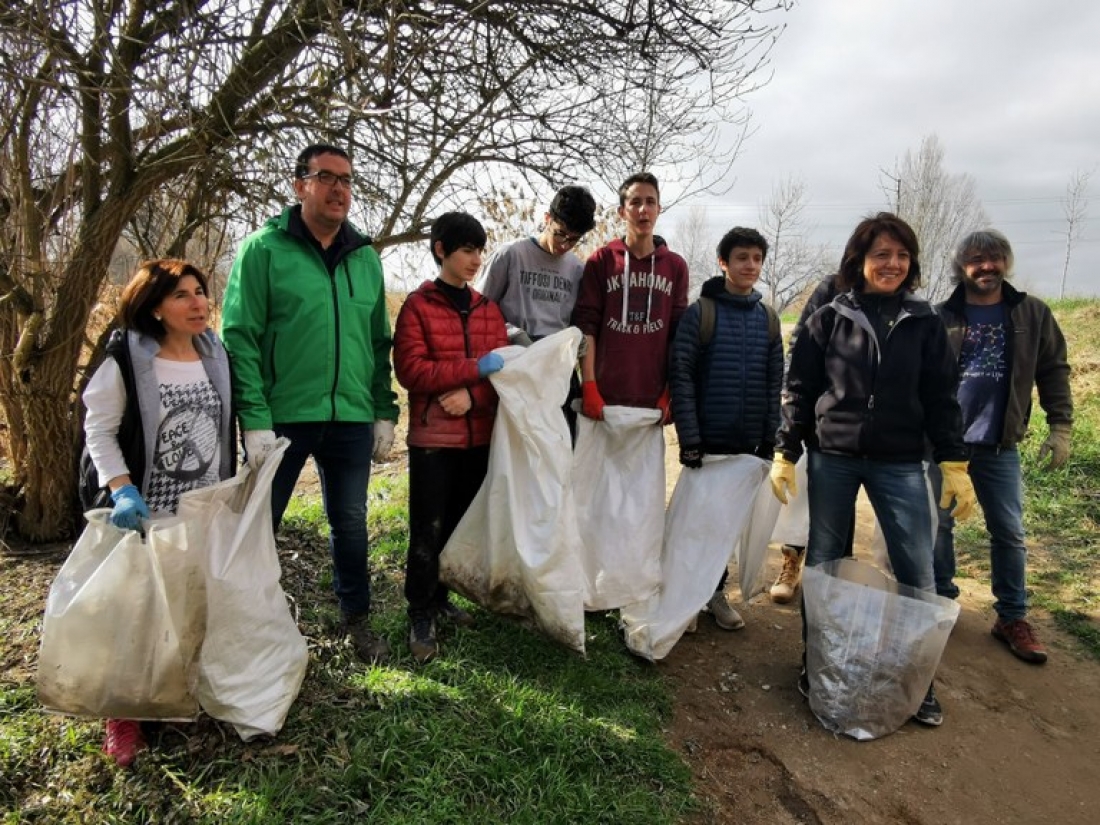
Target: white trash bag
(253, 658)
(123, 624)
(516, 550)
(872, 646)
(619, 489)
(710, 516)
(793, 525)
(751, 551)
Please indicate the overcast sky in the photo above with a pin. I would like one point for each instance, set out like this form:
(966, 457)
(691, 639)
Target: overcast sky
(1010, 87)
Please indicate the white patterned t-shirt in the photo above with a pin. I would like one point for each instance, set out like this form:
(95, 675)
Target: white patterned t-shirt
(186, 452)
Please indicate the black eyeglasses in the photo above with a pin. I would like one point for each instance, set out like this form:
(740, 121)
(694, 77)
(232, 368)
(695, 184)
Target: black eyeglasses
(565, 239)
(331, 178)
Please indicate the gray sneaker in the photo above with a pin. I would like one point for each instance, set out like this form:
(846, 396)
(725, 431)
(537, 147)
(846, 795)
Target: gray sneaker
(724, 615)
(369, 646)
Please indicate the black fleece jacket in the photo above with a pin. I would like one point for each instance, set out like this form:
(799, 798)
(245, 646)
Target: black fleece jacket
(850, 393)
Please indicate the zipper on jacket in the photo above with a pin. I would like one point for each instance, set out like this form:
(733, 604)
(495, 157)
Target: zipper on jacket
(272, 370)
(336, 348)
(465, 318)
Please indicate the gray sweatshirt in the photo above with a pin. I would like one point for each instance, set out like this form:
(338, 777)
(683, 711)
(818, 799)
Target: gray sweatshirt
(536, 290)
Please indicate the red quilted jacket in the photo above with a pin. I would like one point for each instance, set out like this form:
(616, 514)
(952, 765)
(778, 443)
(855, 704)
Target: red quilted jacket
(435, 349)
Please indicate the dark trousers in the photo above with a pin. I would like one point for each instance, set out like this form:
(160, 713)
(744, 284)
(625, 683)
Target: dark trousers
(342, 452)
(442, 483)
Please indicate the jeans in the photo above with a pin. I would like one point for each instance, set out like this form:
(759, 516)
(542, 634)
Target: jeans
(442, 483)
(342, 452)
(899, 495)
(998, 484)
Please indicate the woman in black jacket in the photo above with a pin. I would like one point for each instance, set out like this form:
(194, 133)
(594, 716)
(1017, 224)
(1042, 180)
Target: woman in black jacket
(871, 379)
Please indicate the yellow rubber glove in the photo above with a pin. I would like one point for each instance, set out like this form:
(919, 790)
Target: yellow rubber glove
(782, 478)
(1056, 448)
(957, 488)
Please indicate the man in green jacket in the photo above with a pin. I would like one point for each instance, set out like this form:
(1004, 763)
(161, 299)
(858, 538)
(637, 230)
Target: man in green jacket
(1006, 342)
(308, 335)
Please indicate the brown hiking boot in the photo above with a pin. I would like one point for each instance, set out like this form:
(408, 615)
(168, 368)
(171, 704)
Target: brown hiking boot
(369, 646)
(1020, 638)
(455, 614)
(422, 640)
(782, 592)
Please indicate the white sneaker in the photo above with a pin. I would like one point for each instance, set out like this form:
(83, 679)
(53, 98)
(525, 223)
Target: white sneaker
(724, 616)
(785, 587)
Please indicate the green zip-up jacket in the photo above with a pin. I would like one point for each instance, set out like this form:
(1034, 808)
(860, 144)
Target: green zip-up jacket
(307, 344)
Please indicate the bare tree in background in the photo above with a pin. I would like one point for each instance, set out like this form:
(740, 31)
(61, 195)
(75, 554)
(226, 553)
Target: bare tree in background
(695, 243)
(940, 206)
(793, 262)
(1075, 207)
(110, 104)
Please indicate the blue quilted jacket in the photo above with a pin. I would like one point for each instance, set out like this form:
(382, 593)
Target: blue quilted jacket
(725, 395)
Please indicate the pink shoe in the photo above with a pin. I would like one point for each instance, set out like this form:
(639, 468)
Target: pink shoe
(123, 741)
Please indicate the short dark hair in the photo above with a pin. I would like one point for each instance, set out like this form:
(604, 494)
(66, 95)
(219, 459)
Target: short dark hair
(301, 166)
(638, 177)
(982, 242)
(456, 230)
(574, 208)
(850, 275)
(741, 236)
(153, 281)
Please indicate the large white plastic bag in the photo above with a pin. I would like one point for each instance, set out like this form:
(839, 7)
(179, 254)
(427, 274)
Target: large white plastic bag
(872, 646)
(711, 511)
(516, 550)
(751, 551)
(619, 488)
(793, 525)
(123, 624)
(253, 658)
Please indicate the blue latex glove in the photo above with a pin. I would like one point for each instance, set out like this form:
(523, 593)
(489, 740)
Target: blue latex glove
(130, 508)
(488, 364)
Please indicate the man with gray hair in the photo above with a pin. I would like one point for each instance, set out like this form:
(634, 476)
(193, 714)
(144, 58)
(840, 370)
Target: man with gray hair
(1007, 342)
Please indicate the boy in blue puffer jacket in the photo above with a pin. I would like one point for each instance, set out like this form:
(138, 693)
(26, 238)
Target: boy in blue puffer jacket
(726, 372)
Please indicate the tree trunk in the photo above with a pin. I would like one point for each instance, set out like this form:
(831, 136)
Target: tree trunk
(46, 406)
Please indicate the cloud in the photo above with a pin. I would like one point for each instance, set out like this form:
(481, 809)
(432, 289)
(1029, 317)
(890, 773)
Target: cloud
(1009, 86)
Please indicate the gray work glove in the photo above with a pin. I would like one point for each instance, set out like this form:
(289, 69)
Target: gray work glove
(383, 439)
(1055, 450)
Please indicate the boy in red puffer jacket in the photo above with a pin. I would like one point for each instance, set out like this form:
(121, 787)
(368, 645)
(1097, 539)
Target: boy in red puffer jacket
(443, 356)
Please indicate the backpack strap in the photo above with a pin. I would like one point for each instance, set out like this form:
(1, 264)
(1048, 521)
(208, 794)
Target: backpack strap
(775, 328)
(706, 319)
(92, 490)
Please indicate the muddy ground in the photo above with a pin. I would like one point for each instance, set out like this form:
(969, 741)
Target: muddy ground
(1019, 744)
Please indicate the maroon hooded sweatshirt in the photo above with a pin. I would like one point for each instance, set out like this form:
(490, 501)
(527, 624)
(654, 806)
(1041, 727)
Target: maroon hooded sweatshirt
(631, 306)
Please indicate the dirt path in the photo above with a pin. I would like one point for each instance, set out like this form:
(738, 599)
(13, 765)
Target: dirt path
(1019, 743)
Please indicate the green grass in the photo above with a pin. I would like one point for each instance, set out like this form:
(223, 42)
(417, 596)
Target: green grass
(1061, 507)
(504, 727)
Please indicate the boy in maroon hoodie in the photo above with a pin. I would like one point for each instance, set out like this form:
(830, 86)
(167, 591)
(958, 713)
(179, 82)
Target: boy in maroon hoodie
(632, 295)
